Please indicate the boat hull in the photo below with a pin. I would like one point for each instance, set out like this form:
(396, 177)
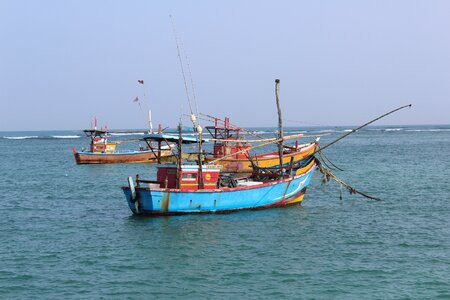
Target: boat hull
(109, 158)
(267, 160)
(159, 201)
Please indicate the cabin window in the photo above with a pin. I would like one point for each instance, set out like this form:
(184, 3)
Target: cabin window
(189, 176)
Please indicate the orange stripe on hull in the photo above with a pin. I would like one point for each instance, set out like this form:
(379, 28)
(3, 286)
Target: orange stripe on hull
(106, 158)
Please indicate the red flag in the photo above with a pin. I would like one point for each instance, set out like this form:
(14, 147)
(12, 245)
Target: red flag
(141, 81)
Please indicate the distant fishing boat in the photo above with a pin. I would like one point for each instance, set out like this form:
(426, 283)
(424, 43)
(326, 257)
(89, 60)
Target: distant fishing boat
(181, 188)
(103, 151)
(231, 152)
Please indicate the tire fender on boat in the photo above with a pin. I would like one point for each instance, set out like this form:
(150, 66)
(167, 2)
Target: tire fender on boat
(133, 197)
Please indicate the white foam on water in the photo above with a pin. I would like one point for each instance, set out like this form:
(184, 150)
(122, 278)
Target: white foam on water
(66, 136)
(21, 137)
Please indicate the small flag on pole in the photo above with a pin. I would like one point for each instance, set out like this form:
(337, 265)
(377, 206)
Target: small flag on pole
(141, 81)
(136, 99)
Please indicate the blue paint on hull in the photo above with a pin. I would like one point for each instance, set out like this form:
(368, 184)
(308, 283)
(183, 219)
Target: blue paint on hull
(171, 201)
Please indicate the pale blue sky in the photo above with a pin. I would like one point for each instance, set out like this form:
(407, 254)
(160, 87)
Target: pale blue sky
(340, 62)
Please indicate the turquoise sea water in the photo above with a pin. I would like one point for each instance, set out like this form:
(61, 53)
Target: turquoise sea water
(66, 231)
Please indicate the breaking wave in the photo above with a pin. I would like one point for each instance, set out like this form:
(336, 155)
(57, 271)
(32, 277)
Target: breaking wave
(393, 129)
(66, 136)
(428, 130)
(43, 137)
(20, 137)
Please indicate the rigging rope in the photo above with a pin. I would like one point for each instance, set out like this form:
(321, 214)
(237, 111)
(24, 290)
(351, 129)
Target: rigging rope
(181, 63)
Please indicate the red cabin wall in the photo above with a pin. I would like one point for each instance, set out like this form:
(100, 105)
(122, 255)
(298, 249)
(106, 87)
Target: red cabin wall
(221, 150)
(167, 177)
(98, 147)
(188, 179)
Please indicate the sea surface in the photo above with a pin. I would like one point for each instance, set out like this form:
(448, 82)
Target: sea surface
(66, 231)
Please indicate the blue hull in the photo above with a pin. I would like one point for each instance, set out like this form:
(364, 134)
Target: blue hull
(157, 201)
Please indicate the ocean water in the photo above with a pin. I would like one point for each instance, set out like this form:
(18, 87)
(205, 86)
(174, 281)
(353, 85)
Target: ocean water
(66, 231)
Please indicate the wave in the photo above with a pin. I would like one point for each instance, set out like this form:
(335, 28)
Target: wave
(394, 129)
(21, 137)
(295, 132)
(36, 137)
(327, 131)
(428, 130)
(66, 136)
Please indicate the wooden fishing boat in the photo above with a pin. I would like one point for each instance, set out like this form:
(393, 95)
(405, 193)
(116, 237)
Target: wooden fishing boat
(102, 151)
(232, 152)
(203, 188)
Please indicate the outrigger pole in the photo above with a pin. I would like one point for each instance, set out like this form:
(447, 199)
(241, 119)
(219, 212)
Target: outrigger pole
(362, 126)
(327, 174)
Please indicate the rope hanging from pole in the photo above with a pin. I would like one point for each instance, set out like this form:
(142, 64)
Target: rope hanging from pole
(328, 175)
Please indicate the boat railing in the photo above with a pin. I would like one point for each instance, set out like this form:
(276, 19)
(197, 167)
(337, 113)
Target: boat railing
(139, 181)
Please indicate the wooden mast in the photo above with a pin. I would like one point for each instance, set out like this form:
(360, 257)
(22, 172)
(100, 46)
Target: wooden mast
(180, 154)
(280, 125)
(200, 160)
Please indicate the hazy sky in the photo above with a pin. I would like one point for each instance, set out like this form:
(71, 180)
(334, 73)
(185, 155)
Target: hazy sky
(340, 62)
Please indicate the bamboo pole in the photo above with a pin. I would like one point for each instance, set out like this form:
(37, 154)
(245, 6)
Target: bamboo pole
(293, 136)
(200, 160)
(364, 125)
(272, 141)
(280, 124)
(180, 154)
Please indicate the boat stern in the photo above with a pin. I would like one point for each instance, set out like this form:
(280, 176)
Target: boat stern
(76, 155)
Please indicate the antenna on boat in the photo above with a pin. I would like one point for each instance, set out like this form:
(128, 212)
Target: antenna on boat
(94, 123)
(181, 63)
(196, 126)
(192, 85)
(194, 117)
(150, 125)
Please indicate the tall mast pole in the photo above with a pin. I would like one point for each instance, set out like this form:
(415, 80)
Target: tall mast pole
(200, 160)
(180, 153)
(280, 125)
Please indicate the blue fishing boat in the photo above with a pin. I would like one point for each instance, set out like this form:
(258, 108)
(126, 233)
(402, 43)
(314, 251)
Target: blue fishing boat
(182, 188)
(178, 190)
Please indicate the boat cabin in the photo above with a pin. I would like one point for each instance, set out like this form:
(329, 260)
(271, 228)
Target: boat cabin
(227, 139)
(99, 141)
(188, 178)
(97, 147)
(222, 149)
